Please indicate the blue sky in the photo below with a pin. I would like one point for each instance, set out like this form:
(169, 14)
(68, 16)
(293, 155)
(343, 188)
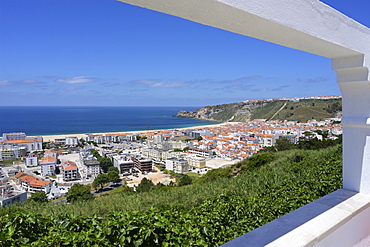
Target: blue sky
(108, 53)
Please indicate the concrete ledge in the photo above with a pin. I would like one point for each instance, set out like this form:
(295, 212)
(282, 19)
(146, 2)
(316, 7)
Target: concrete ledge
(310, 224)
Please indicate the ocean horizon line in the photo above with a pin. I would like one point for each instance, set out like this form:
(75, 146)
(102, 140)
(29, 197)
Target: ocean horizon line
(48, 120)
(91, 106)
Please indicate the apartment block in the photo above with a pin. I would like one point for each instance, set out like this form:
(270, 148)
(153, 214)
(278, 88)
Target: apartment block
(70, 171)
(32, 160)
(48, 165)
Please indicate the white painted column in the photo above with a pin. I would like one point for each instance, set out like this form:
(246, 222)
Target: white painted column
(353, 80)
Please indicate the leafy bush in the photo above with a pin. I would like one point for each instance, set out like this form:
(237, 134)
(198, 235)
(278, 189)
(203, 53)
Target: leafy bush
(202, 214)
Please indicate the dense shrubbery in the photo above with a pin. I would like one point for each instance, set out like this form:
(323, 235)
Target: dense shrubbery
(209, 213)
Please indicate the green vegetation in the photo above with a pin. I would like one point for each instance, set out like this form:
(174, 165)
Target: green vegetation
(93, 143)
(79, 193)
(10, 162)
(193, 175)
(38, 197)
(100, 181)
(304, 144)
(268, 110)
(219, 206)
(113, 174)
(226, 111)
(301, 111)
(145, 185)
(141, 138)
(105, 163)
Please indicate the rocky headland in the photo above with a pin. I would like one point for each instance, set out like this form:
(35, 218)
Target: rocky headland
(279, 109)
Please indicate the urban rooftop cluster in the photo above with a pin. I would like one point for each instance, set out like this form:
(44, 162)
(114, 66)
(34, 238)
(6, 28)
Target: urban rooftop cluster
(69, 160)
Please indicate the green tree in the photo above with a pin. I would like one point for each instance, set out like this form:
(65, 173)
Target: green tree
(126, 190)
(284, 144)
(145, 185)
(184, 179)
(199, 138)
(259, 160)
(113, 174)
(100, 181)
(39, 196)
(105, 163)
(79, 192)
(140, 138)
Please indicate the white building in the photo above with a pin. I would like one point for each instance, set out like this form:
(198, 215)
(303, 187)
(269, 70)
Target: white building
(70, 171)
(201, 152)
(12, 152)
(32, 160)
(196, 162)
(48, 165)
(152, 153)
(32, 184)
(31, 144)
(14, 136)
(58, 190)
(72, 141)
(91, 167)
(177, 165)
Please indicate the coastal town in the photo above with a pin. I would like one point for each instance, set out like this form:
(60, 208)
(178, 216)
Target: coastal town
(52, 164)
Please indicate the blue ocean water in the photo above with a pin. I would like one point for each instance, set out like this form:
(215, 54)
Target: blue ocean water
(55, 120)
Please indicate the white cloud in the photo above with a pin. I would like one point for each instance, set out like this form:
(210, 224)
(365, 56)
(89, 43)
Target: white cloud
(144, 81)
(242, 83)
(76, 80)
(169, 84)
(260, 90)
(29, 81)
(5, 82)
(155, 83)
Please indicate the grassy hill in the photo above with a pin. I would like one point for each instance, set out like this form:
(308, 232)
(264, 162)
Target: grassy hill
(299, 111)
(302, 110)
(223, 204)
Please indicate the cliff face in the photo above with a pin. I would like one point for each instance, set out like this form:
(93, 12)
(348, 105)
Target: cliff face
(235, 112)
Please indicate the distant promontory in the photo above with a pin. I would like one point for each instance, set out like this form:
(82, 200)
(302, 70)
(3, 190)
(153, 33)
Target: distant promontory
(296, 109)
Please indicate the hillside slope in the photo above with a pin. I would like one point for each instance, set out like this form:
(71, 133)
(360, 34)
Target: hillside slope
(221, 206)
(302, 110)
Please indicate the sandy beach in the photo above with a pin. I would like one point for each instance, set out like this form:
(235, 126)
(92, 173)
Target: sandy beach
(47, 138)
